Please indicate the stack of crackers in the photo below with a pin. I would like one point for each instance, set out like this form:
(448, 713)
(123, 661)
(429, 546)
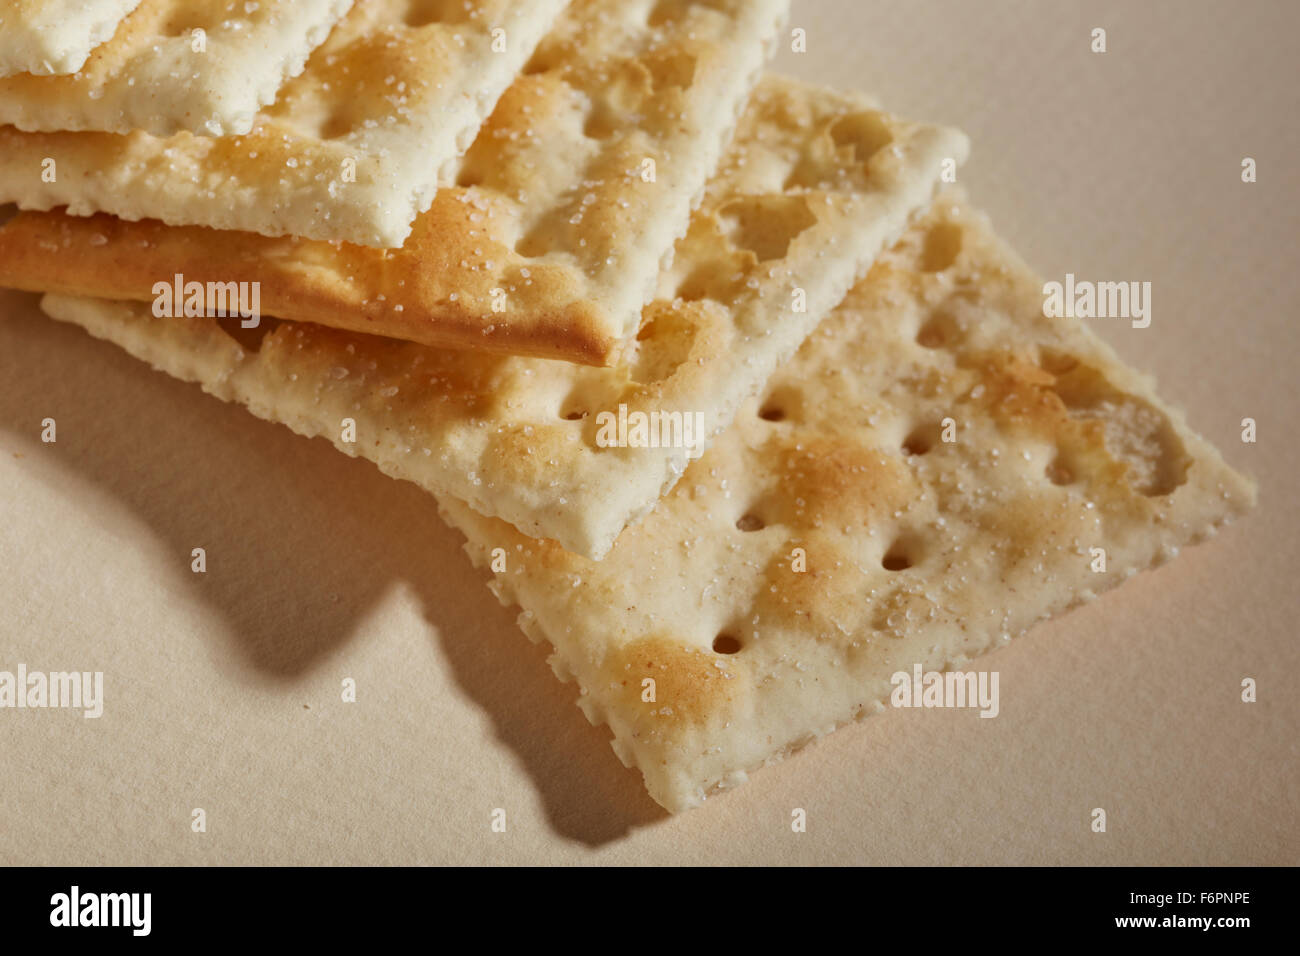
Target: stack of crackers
(730, 390)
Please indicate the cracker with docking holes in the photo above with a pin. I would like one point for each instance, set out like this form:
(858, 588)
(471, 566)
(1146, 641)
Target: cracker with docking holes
(201, 65)
(815, 185)
(48, 37)
(568, 203)
(833, 538)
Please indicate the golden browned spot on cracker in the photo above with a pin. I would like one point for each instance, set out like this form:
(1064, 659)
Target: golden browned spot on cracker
(692, 685)
(823, 480)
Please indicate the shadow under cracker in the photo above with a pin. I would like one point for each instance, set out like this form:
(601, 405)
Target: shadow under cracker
(295, 531)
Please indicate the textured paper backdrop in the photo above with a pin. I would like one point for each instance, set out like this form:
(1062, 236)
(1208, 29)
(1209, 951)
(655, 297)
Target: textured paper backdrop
(222, 690)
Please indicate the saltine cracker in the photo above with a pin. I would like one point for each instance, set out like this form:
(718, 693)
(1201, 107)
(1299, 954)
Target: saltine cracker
(200, 65)
(815, 185)
(833, 538)
(54, 37)
(553, 207)
(352, 148)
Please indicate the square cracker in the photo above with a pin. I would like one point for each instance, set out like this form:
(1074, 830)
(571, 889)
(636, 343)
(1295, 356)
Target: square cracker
(151, 75)
(358, 144)
(47, 37)
(917, 550)
(551, 243)
(815, 185)
(351, 149)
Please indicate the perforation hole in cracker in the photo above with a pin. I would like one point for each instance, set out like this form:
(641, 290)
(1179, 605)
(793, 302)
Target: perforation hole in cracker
(902, 554)
(726, 643)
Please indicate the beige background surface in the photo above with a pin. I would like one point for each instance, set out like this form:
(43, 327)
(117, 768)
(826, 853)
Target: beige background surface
(223, 689)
